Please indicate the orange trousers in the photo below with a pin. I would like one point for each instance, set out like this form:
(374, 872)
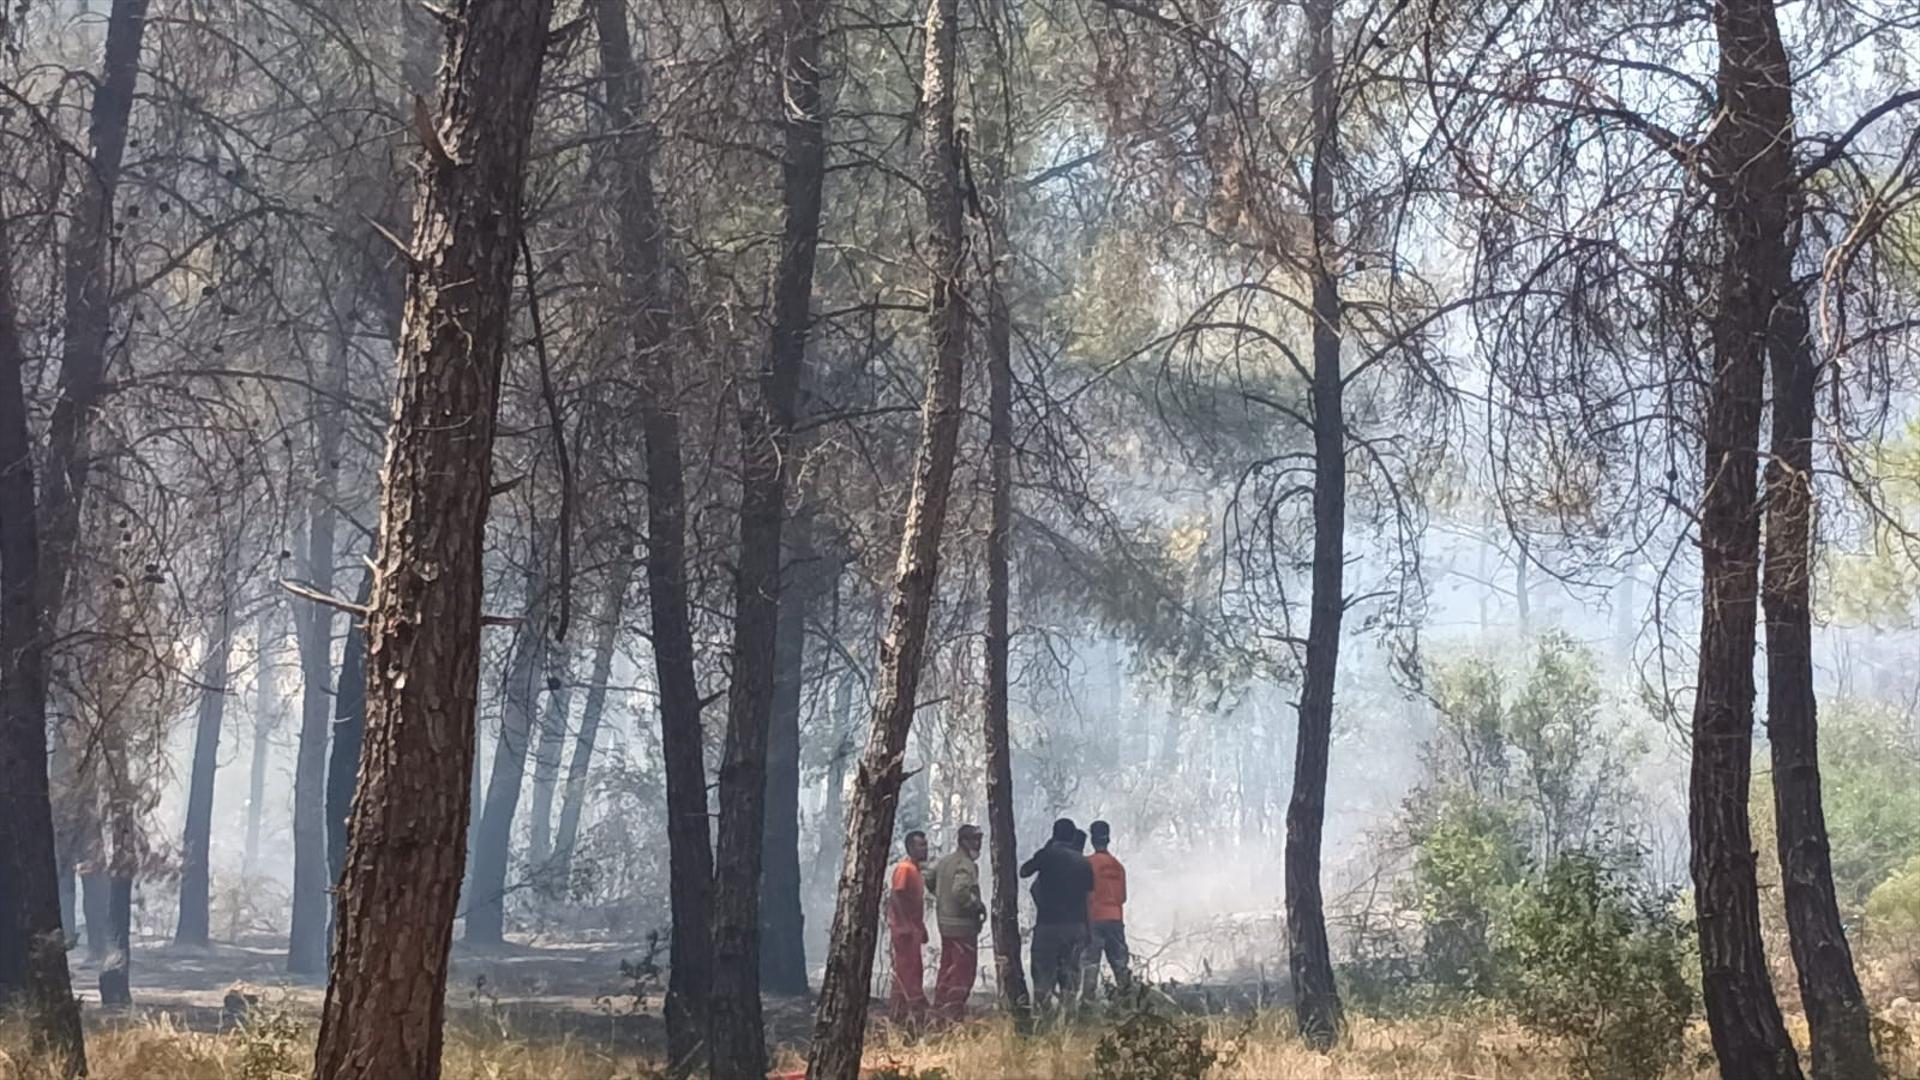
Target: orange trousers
(959, 964)
(908, 1003)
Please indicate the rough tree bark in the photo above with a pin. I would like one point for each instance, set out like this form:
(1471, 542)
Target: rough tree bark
(349, 734)
(641, 254)
(574, 794)
(1316, 1001)
(387, 995)
(1748, 159)
(33, 957)
(195, 882)
(1002, 843)
(839, 1031)
(487, 888)
(1838, 1019)
(313, 632)
(767, 400)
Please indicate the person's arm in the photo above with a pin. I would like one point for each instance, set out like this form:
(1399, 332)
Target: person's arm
(968, 884)
(1031, 866)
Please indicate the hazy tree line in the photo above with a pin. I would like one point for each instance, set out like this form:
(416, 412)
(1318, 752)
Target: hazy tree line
(838, 358)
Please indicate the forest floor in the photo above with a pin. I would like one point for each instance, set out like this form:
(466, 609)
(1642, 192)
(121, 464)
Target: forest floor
(571, 1013)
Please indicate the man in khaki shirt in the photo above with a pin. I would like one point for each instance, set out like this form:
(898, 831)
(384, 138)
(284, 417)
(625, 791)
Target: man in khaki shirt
(955, 882)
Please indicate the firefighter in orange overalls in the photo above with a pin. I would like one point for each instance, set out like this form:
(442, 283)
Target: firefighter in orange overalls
(907, 933)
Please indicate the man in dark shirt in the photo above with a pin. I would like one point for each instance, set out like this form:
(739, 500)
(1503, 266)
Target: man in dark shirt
(1062, 881)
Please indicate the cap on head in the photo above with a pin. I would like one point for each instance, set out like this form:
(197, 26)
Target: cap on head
(1101, 833)
(1063, 829)
(968, 834)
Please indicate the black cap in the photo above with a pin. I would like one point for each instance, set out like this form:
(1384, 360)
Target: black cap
(1064, 828)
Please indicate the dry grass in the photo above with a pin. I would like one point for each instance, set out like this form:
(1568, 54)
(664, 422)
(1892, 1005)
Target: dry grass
(1467, 1047)
(158, 1050)
(1263, 1048)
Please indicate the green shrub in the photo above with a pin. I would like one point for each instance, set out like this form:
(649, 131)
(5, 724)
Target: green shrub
(1600, 964)
(1152, 1042)
(1470, 855)
(1893, 908)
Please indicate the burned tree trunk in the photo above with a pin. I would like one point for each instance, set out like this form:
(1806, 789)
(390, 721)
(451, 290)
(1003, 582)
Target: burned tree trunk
(349, 731)
(768, 398)
(1748, 160)
(1837, 1015)
(34, 981)
(487, 889)
(387, 995)
(574, 795)
(1316, 1001)
(839, 1031)
(195, 883)
(641, 256)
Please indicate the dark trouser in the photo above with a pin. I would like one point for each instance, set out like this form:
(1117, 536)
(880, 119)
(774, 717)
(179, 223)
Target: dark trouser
(1056, 961)
(1108, 939)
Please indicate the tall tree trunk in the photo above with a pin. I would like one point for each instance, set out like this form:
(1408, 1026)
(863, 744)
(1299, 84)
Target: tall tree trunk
(783, 953)
(34, 980)
(349, 735)
(487, 889)
(1316, 1001)
(195, 844)
(313, 630)
(88, 306)
(265, 719)
(1748, 158)
(833, 815)
(768, 398)
(574, 796)
(387, 995)
(96, 895)
(1837, 1015)
(641, 257)
(116, 972)
(839, 1031)
(556, 717)
(1003, 845)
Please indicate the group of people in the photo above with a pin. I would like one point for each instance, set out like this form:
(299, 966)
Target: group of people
(1079, 919)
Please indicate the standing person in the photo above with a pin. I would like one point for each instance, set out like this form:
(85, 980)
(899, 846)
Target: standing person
(1062, 881)
(1106, 912)
(959, 912)
(907, 933)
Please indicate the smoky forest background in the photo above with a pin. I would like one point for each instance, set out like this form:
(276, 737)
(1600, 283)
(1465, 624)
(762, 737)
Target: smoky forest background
(512, 510)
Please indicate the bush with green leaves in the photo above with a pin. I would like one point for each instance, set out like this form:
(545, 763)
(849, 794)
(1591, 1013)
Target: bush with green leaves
(1468, 856)
(1598, 962)
(1893, 908)
(1151, 1040)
